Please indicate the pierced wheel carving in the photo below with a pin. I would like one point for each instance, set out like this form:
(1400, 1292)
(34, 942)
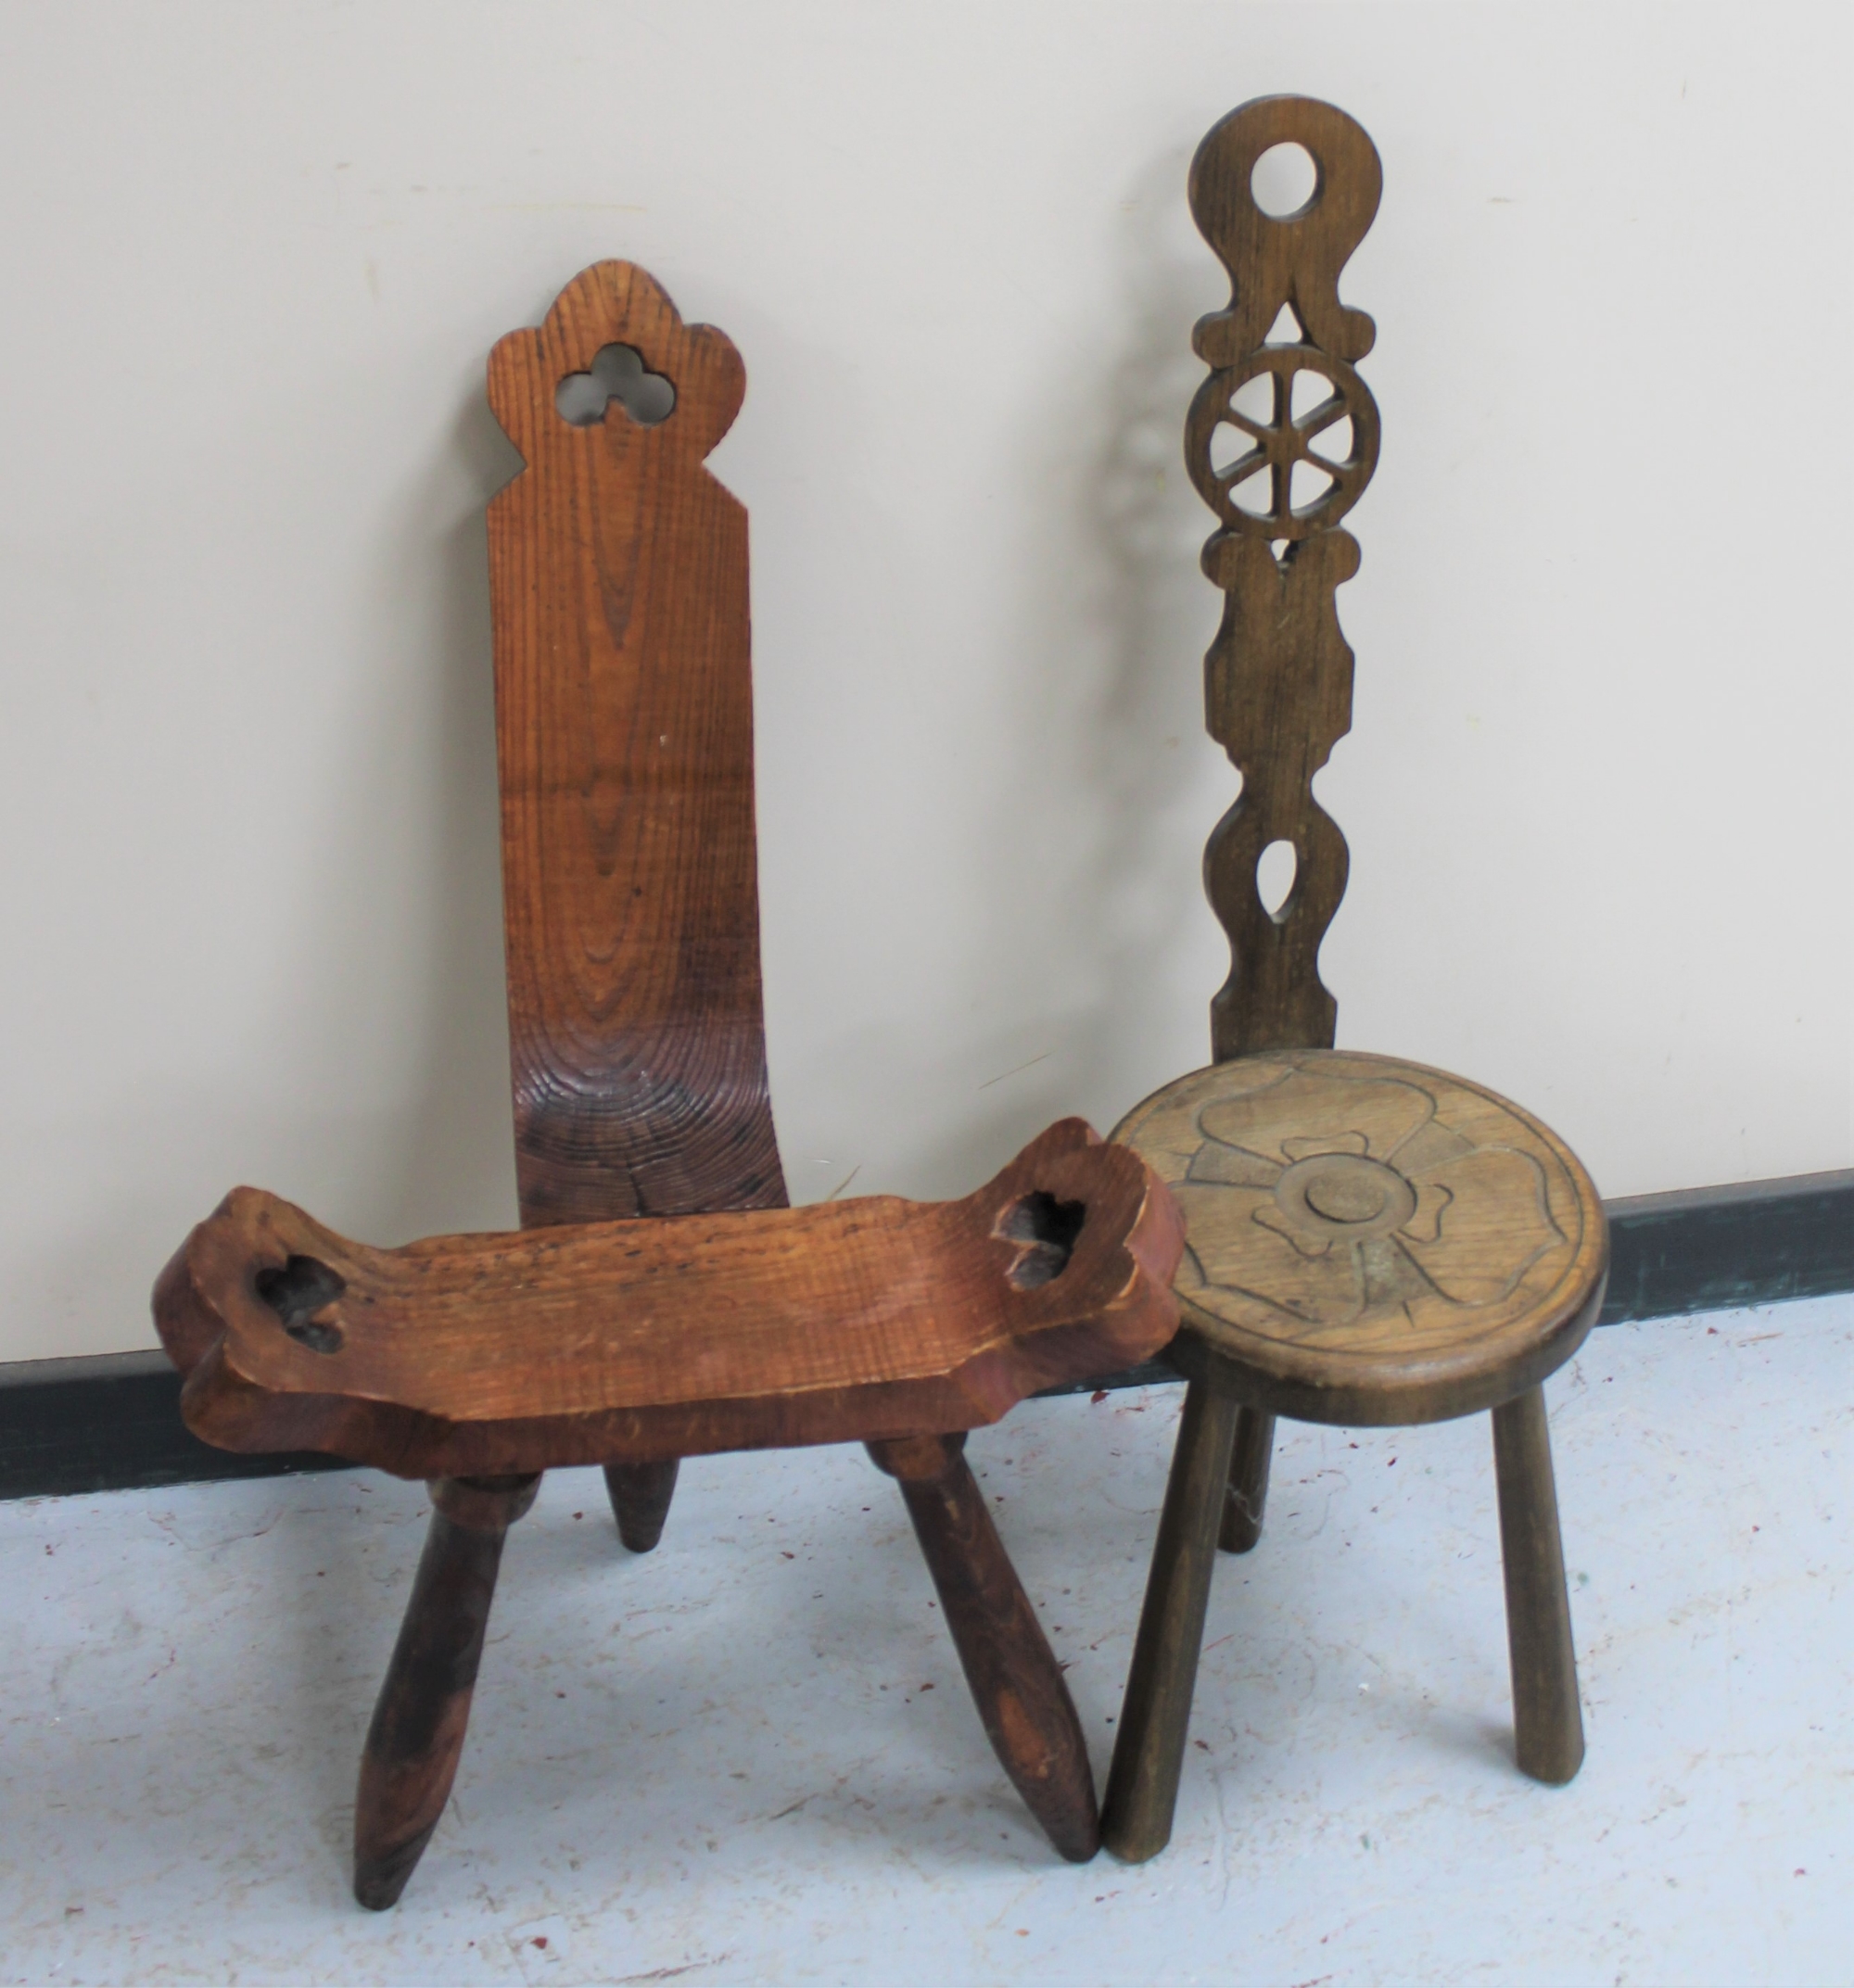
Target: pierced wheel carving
(1277, 445)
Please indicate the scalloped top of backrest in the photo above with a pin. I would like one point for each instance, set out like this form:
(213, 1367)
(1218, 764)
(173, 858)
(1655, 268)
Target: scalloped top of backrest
(616, 303)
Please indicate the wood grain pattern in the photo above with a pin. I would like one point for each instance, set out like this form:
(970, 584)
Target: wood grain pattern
(645, 1341)
(1245, 1496)
(1372, 1241)
(1015, 1679)
(1277, 696)
(624, 721)
(415, 1741)
(1277, 680)
(1155, 1714)
(1547, 1718)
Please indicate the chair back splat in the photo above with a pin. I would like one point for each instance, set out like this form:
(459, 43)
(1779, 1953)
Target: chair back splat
(1277, 680)
(624, 722)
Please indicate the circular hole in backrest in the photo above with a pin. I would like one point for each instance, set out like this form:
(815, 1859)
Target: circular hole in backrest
(646, 396)
(618, 373)
(1284, 180)
(1274, 872)
(581, 399)
(651, 401)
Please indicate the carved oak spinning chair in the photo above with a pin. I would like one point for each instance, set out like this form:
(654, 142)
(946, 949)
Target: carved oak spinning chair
(1367, 1241)
(661, 1299)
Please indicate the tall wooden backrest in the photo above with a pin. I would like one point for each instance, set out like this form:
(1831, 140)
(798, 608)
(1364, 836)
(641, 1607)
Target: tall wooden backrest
(1277, 680)
(624, 722)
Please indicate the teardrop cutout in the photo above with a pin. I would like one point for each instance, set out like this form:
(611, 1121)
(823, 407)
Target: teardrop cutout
(1275, 870)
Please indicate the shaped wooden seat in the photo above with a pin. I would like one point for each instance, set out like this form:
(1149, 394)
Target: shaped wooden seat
(1367, 1241)
(661, 1298)
(848, 1322)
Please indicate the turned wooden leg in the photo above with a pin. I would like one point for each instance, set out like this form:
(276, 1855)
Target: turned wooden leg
(1246, 1495)
(1547, 1720)
(1149, 1754)
(417, 1739)
(640, 1495)
(1015, 1680)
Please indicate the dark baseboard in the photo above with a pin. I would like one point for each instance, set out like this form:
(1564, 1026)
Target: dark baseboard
(1719, 1248)
(111, 1423)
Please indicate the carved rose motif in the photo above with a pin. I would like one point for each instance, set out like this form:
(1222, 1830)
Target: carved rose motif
(1370, 1204)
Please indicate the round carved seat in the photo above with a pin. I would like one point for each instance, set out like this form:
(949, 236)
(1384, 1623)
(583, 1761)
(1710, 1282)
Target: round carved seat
(1370, 1241)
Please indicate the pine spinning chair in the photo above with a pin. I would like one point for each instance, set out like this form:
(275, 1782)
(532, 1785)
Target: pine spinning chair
(661, 1299)
(1367, 1241)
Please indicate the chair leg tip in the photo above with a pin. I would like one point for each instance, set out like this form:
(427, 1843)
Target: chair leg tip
(1131, 1849)
(1074, 1831)
(641, 1494)
(1557, 1772)
(380, 1879)
(1134, 1839)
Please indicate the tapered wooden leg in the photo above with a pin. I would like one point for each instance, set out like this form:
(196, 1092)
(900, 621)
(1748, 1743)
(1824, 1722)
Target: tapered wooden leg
(417, 1739)
(1547, 1720)
(1246, 1494)
(640, 1495)
(1015, 1680)
(1149, 1754)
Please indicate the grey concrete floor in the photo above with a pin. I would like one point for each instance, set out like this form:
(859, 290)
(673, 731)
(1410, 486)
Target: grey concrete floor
(750, 1757)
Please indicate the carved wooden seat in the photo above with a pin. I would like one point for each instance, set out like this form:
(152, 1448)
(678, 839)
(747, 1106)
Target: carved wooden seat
(869, 1319)
(1367, 1241)
(661, 1298)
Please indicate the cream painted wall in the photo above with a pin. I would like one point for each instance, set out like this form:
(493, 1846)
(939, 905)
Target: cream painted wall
(1597, 792)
